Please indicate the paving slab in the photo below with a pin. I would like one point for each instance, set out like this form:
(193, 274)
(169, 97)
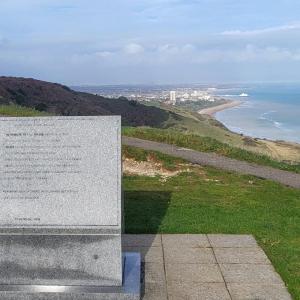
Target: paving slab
(241, 256)
(181, 255)
(250, 273)
(258, 291)
(141, 240)
(205, 267)
(154, 291)
(185, 241)
(231, 241)
(204, 291)
(154, 282)
(154, 273)
(197, 273)
(148, 254)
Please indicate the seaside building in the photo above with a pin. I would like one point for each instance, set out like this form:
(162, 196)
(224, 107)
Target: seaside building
(185, 96)
(173, 97)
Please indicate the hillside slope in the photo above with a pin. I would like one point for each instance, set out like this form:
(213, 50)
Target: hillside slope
(60, 100)
(192, 123)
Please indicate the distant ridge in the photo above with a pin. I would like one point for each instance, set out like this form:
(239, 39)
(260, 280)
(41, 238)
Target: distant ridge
(61, 100)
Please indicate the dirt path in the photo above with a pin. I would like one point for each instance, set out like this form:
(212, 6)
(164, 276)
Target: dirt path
(211, 159)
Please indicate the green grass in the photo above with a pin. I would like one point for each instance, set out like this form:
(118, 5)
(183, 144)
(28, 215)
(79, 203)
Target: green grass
(20, 111)
(206, 144)
(214, 201)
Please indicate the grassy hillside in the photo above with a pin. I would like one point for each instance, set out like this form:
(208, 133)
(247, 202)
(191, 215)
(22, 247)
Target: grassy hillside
(206, 144)
(205, 126)
(206, 200)
(60, 100)
(176, 137)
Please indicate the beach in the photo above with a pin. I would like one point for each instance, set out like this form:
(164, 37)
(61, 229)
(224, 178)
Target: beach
(212, 110)
(271, 111)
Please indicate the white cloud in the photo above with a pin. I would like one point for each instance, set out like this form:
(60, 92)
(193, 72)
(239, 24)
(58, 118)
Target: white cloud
(103, 54)
(189, 48)
(168, 49)
(249, 54)
(133, 48)
(255, 32)
(190, 53)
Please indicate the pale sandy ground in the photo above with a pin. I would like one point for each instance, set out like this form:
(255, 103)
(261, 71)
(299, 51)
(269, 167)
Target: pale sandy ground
(212, 110)
(283, 150)
(146, 168)
(154, 168)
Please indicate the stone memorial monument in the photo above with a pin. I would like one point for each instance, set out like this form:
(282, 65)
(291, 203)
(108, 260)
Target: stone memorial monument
(61, 210)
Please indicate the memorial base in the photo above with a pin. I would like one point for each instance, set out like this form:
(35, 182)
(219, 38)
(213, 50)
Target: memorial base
(131, 289)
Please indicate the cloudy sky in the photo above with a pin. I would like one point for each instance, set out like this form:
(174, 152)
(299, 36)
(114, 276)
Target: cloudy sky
(150, 41)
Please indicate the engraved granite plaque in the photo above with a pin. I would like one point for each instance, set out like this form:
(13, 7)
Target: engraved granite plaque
(60, 197)
(60, 172)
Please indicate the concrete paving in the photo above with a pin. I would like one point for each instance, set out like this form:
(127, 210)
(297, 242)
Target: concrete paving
(205, 267)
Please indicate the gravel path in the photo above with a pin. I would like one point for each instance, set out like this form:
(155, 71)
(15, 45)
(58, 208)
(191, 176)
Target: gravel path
(218, 161)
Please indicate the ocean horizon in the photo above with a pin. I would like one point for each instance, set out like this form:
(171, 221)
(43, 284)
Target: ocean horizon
(270, 111)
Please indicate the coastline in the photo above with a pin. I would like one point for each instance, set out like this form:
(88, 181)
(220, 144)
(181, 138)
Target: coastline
(211, 111)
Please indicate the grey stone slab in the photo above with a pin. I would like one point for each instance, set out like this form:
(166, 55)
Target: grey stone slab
(108, 230)
(60, 193)
(250, 273)
(154, 282)
(258, 292)
(197, 273)
(185, 241)
(61, 260)
(141, 240)
(182, 255)
(231, 241)
(129, 291)
(58, 173)
(69, 296)
(155, 291)
(154, 273)
(241, 256)
(149, 255)
(203, 291)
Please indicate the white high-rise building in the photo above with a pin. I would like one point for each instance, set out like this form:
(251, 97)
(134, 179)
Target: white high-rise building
(173, 97)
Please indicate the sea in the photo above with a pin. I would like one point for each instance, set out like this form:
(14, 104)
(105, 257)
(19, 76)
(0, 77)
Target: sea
(270, 111)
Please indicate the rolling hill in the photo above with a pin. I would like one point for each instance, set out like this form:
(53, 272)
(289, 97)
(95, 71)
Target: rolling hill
(56, 99)
(60, 100)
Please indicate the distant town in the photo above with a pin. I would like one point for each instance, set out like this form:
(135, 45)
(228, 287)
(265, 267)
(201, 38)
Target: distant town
(171, 95)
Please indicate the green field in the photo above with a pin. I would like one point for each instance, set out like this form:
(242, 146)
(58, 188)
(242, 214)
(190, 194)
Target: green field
(206, 144)
(207, 200)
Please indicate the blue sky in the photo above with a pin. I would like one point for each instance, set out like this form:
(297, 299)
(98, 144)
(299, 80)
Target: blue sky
(150, 41)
